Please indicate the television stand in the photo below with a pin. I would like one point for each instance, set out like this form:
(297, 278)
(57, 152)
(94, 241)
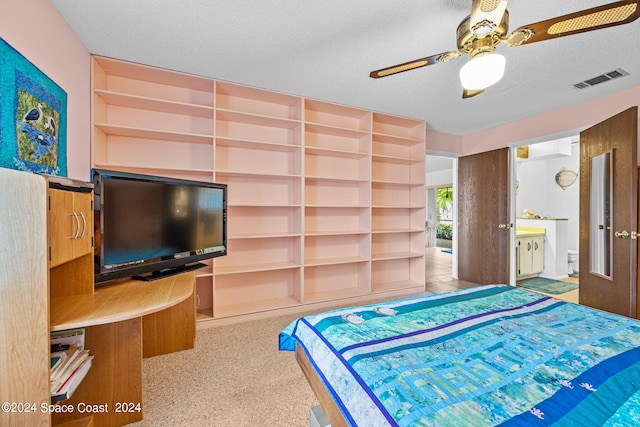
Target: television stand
(124, 323)
(168, 272)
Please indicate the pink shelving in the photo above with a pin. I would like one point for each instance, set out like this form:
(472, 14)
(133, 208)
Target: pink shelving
(398, 204)
(242, 293)
(336, 249)
(329, 164)
(249, 127)
(338, 139)
(263, 221)
(397, 274)
(204, 300)
(338, 116)
(396, 245)
(331, 220)
(397, 147)
(257, 158)
(261, 190)
(392, 220)
(234, 97)
(391, 195)
(138, 151)
(398, 127)
(140, 120)
(393, 170)
(325, 202)
(146, 103)
(336, 193)
(259, 254)
(336, 281)
(136, 80)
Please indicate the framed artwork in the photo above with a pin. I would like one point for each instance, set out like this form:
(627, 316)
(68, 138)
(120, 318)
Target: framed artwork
(33, 117)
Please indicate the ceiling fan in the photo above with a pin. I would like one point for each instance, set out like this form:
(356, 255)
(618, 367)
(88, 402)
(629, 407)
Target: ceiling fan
(488, 25)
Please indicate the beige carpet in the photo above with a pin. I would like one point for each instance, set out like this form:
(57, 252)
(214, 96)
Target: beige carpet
(235, 376)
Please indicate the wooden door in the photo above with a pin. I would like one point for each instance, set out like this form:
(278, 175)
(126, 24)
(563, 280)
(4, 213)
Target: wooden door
(483, 217)
(615, 291)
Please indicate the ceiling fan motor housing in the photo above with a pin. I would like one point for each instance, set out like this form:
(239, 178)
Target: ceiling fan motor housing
(480, 40)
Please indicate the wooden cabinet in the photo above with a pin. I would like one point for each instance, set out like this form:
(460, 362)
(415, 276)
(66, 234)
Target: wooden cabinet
(114, 319)
(36, 299)
(530, 256)
(325, 201)
(70, 237)
(24, 298)
(70, 224)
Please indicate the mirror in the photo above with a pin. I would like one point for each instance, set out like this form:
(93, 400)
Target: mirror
(600, 210)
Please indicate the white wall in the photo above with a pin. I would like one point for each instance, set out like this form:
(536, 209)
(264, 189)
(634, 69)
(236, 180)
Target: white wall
(539, 191)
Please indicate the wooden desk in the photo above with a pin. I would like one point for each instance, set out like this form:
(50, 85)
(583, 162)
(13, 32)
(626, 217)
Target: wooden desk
(113, 318)
(121, 301)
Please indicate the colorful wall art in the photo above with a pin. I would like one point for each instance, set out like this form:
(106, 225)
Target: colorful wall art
(33, 117)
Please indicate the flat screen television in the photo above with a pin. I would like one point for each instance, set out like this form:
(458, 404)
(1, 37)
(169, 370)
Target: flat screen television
(148, 227)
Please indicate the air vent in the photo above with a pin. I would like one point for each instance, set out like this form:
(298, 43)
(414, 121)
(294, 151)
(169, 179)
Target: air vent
(601, 79)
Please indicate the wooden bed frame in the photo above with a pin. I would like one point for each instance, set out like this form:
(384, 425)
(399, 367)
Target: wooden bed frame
(326, 401)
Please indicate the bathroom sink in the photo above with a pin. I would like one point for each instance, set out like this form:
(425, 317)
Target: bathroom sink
(530, 231)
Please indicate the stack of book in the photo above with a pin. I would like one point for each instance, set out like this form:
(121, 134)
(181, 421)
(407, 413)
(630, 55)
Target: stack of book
(70, 362)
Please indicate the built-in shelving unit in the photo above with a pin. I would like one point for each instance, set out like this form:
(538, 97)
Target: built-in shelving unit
(398, 203)
(326, 201)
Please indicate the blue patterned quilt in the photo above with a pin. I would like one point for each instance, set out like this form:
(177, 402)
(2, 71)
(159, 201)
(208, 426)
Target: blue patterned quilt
(485, 356)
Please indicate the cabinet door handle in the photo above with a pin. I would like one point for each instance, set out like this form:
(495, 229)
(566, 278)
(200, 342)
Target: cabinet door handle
(528, 246)
(84, 225)
(535, 245)
(75, 215)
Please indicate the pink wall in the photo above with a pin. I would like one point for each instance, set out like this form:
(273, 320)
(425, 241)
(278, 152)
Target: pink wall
(572, 119)
(36, 30)
(566, 121)
(443, 142)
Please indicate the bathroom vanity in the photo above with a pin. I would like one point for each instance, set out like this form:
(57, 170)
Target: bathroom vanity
(554, 248)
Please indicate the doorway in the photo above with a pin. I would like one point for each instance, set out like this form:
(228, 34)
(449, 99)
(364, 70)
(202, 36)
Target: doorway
(440, 218)
(547, 217)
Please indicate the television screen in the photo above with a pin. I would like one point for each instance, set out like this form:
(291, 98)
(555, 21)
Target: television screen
(150, 226)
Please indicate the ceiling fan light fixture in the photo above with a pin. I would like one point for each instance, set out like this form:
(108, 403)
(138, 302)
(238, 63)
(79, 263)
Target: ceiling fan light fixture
(482, 71)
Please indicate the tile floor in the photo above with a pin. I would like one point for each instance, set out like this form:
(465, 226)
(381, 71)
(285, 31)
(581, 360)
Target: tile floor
(438, 275)
(438, 272)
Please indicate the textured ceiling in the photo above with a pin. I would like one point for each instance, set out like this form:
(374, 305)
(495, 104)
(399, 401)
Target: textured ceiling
(326, 49)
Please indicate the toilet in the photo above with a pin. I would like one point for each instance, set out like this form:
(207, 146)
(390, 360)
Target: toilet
(572, 258)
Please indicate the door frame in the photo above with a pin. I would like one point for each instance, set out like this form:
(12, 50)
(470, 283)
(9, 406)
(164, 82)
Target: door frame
(573, 133)
(454, 207)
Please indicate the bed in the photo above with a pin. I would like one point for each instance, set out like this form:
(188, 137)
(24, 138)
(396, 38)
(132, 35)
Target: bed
(485, 356)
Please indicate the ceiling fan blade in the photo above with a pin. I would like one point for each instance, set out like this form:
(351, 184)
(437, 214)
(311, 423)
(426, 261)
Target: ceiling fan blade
(608, 15)
(469, 93)
(486, 15)
(412, 65)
